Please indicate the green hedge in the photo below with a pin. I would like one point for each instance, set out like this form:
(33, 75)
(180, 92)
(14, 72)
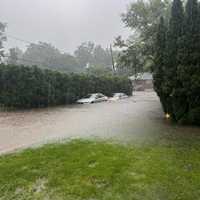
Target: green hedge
(32, 87)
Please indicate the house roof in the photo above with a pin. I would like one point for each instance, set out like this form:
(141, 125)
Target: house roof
(142, 76)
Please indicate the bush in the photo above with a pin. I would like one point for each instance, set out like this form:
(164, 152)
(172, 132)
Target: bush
(32, 87)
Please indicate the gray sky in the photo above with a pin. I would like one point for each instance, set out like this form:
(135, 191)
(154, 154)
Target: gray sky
(63, 23)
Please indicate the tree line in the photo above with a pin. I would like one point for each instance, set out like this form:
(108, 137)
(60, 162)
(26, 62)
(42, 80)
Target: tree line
(177, 62)
(32, 87)
(88, 57)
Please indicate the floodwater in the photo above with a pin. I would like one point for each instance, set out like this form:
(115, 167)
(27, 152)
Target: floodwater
(130, 119)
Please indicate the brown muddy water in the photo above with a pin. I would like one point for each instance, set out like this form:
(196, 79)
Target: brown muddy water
(128, 120)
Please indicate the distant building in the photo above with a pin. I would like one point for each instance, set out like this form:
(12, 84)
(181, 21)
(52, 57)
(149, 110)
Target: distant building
(142, 81)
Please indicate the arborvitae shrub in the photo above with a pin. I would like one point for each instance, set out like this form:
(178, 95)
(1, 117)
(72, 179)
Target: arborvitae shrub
(177, 63)
(32, 87)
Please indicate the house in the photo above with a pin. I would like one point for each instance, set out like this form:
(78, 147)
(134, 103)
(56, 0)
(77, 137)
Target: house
(142, 81)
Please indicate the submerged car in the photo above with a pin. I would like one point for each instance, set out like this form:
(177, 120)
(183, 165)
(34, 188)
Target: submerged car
(93, 98)
(118, 96)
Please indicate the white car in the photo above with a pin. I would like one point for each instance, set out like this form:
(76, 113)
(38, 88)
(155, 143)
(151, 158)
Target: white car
(118, 96)
(93, 98)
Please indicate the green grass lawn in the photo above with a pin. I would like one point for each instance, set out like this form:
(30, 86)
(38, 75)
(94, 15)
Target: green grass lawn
(89, 170)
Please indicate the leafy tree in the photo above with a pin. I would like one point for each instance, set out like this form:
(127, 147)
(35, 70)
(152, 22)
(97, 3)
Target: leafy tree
(101, 57)
(131, 60)
(44, 55)
(14, 56)
(99, 71)
(84, 53)
(143, 17)
(67, 63)
(93, 55)
(2, 38)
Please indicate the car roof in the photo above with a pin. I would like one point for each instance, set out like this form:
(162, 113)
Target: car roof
(96, 93)
(118, 93)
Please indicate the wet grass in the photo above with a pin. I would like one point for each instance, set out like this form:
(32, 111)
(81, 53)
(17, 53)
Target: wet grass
(89, 170)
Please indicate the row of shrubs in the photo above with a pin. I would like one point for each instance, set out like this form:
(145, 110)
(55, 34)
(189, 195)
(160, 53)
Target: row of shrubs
(32, 87)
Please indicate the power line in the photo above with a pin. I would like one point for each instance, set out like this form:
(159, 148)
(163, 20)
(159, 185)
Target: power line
(27, 60)
(19, 39)
(25, 41)
(32, 61)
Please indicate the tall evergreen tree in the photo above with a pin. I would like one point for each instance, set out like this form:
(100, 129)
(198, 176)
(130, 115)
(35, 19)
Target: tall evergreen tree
(198, 24)
(177, 70)
(158, 69)
(175, 31)
(192, 31)
(189, 71)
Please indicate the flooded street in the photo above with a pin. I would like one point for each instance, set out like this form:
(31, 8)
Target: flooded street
(130, 119)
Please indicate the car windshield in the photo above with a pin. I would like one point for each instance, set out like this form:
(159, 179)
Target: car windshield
(100, 95)
(88, 96)
(117, 95)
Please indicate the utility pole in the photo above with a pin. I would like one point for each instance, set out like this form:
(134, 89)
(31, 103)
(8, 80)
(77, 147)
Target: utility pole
(113, 63)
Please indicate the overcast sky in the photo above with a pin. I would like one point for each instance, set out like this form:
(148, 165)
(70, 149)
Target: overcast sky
(63, 23)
